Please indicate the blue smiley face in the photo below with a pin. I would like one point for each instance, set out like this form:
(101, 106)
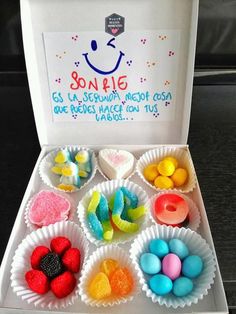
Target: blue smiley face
(94, 47)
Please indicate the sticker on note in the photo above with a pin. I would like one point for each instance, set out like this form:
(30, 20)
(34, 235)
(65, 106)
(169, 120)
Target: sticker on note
(97, 77)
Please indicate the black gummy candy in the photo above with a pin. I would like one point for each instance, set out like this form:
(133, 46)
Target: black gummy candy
(51, 265)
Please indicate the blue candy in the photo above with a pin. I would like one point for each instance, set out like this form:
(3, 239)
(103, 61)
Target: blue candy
(182, 286)
(160, 284)
(179, 248)
(192, 266)
(133, 198)
(150, 263)
(158, 247)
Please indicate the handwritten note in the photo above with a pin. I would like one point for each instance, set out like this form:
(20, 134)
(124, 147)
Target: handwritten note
(96, 77)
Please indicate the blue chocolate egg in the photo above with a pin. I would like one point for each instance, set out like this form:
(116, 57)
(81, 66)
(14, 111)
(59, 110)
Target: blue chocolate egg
(150, 263)
(179, 248)
(192, 266)
(159, 247)
(160, 284)
(182, 286)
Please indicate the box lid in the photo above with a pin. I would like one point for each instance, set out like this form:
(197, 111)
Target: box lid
(106, 71)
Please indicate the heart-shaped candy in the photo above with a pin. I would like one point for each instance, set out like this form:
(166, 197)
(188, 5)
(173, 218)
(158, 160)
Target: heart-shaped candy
(116, 164)
(47, 208)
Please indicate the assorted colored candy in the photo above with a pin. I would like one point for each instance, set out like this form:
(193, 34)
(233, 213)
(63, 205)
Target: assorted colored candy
(116, 164)
(171, 266)
(166, 174)
(111, 280)
(171, 209)
(54, 269)
(72, 169)
(119, 213)
(48, 208)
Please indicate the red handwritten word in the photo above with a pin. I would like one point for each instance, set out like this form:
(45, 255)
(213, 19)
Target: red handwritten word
(106, 84)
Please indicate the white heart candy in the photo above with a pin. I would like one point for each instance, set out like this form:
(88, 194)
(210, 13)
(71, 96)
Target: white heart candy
(116, 164)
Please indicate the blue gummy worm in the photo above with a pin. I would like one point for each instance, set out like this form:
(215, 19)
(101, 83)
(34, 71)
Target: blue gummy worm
(103, 211)
(95, 224)
(133, 198)
(118, 203)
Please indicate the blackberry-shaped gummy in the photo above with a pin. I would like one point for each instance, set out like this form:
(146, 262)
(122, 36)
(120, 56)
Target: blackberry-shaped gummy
(51, 265)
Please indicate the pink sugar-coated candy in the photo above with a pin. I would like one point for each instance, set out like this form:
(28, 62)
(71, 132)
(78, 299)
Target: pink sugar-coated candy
(171, 266)
(47, 208)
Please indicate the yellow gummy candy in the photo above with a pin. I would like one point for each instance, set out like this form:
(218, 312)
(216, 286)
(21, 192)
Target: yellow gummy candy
(99, 287)
(56, 170)
(173, 160)
(83, 173)
(60, 157)
(179, 177)
(108, 266)
(166, 168)
(66, 187)
(150, 172)
(162, 182)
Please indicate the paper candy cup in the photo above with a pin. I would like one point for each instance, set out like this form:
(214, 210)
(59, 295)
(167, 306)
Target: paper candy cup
(158, 154)
(53, 180)
(21, 263)
(107, 188)
(32, 226)
(196, 244)
(127, 178)
(194, 214)
(92, 268)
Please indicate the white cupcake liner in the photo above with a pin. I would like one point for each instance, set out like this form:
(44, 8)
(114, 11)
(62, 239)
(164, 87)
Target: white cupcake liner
(53, 180)
(197, 246)
(21, 263)
(158, 154)
(127, 178)
(108, 188)
(194, 214)
(32, 226)
(92, 268)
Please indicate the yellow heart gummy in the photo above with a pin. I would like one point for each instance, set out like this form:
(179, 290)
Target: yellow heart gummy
(99, 287)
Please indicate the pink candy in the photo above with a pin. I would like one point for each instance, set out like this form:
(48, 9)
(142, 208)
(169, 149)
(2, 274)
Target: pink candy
(47, 208)
(171, 266)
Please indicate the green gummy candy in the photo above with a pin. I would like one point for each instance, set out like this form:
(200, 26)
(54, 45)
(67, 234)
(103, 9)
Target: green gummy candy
(136, 213)
(94, 202)
(123, 225)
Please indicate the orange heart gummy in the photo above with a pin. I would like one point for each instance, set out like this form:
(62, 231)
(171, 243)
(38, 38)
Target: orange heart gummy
(108, 266)
(99, 287)
(121, 282)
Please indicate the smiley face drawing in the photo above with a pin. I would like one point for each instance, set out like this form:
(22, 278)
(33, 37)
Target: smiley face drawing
(94, 48)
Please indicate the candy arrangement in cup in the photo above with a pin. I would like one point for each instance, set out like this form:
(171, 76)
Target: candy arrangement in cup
(111, 280)
(166, 174)
(171, 266)
(72, 170)
(171, 209)
(53, 269)
(48, 207)
(118, 214)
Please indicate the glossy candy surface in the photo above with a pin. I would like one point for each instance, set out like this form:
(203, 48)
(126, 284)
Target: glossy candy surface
(179, 248)
(182, 286)
(192, 266)
(159, 247)
(160, 284)
(150, 263)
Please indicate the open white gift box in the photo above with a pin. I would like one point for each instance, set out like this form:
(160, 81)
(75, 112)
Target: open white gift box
(140, 55)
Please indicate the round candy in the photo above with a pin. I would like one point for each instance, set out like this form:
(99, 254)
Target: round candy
(182, 286)
(173, 160)
(160, 284)
(150, 172)
(179, 248)
(158, 247)
(166, 168)
(162, 182)
(171, 266)
(150, 263)
(171, 209)
(179, 177)
(192, 266)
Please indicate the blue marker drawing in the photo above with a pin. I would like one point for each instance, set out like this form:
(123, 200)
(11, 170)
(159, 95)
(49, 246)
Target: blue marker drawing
(94, 47)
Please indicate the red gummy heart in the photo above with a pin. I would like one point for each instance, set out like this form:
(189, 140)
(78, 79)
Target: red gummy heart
(38, 253)
(60, 244)
(63, 284)
(37, 281)
(71, 260)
